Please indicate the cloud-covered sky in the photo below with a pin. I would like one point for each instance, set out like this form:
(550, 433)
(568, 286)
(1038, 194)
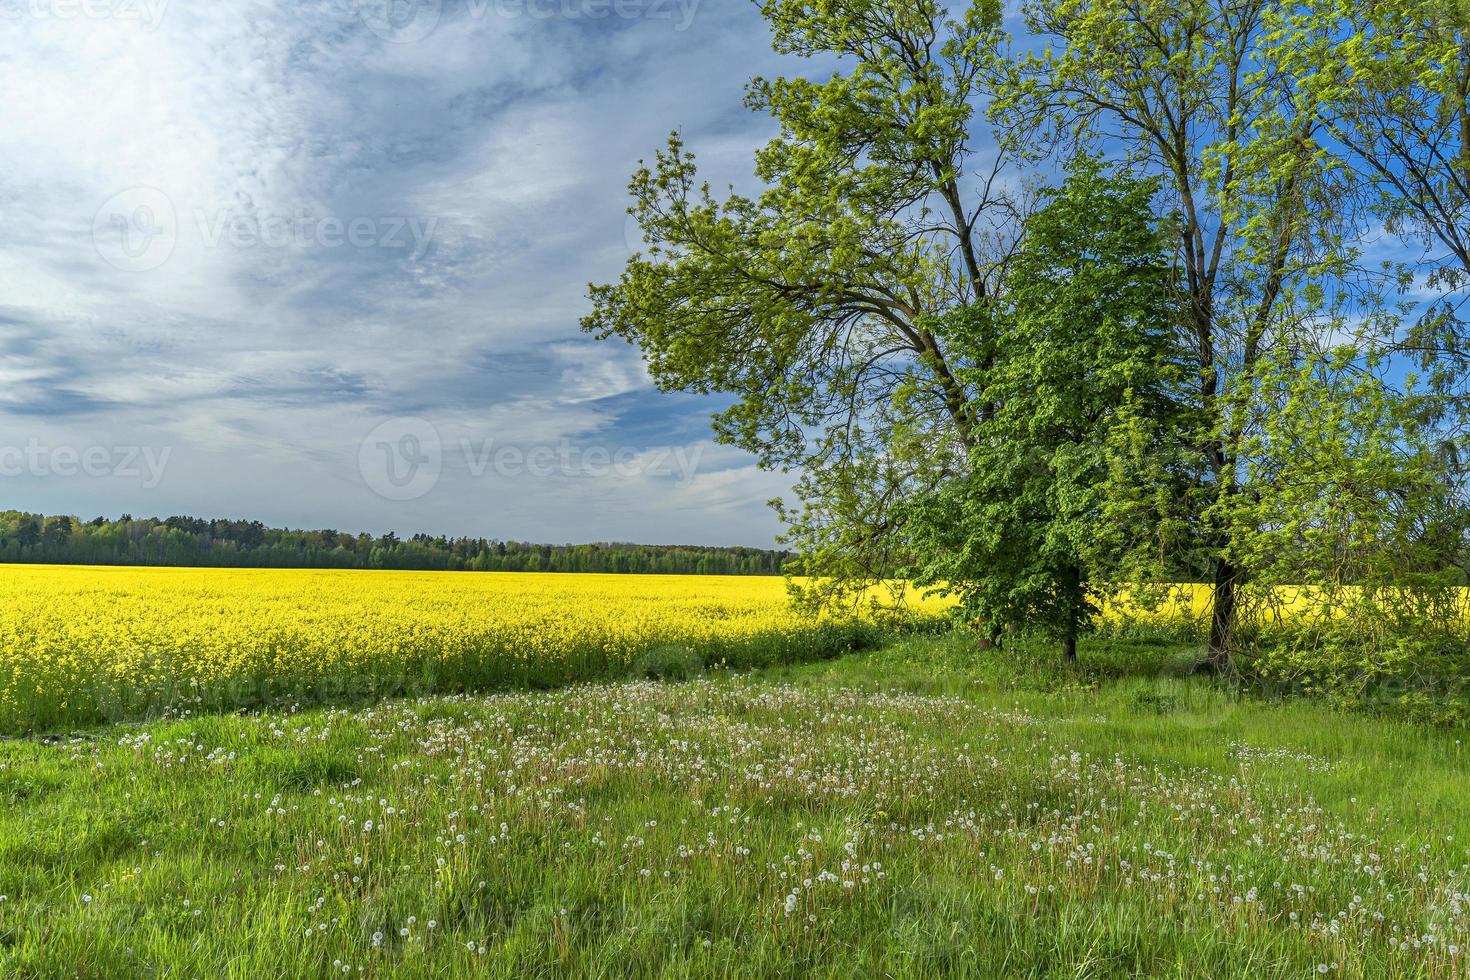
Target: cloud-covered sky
(321, 262)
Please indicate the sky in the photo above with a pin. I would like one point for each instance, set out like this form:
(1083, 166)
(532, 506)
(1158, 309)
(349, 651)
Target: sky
(321, 263)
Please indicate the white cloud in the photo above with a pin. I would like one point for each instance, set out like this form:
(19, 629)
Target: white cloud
(262, 366)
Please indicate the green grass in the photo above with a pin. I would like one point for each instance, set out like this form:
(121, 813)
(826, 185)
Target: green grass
(921, 810)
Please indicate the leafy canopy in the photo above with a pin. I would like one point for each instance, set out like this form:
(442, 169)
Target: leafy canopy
(1070, 469)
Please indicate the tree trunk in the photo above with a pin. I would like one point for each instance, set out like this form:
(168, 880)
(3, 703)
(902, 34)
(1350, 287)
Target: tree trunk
(991, 635)
(1071, 583)
(1222, 617)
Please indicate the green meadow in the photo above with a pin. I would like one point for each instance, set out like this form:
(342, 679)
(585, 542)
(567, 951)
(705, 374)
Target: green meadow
(917, 810)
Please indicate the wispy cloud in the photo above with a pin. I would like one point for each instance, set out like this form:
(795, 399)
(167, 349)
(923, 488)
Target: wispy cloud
(252, 231)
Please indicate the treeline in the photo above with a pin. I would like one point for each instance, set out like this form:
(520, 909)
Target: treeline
(191, 541)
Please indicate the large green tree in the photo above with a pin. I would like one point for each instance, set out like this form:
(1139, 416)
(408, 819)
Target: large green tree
(1074, 472)
(818, 302)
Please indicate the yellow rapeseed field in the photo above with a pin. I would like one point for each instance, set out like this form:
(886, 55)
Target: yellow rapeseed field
(81, 645)
(87, 644)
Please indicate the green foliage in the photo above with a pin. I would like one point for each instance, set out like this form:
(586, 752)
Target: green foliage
(1370, 656)
(817, 303)
(1082, 392)
(668, 663)
(1358, 499)
(1225, 101)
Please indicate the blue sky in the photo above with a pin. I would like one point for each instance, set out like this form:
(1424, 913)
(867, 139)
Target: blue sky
(322, 263)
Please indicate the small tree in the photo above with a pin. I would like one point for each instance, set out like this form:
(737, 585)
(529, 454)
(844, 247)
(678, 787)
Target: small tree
(1083, 418)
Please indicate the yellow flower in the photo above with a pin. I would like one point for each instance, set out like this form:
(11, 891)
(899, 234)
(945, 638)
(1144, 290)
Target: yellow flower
(109, 641)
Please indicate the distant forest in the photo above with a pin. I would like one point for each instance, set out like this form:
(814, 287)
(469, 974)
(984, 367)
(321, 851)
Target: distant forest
(190, 541)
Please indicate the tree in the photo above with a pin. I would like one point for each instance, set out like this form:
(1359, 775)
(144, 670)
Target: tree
(1227, 101)
(1085, 382)
(817, 303)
